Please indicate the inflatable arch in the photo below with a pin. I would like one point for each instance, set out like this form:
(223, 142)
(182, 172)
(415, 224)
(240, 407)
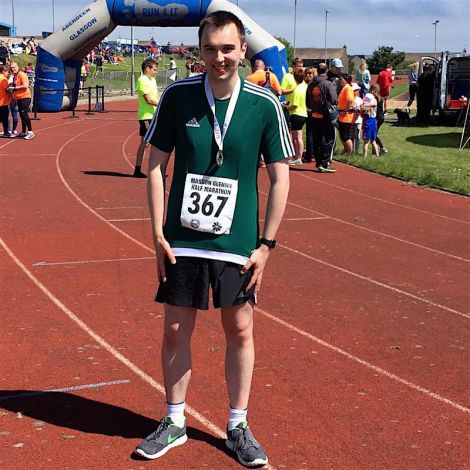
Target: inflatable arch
(60, 55)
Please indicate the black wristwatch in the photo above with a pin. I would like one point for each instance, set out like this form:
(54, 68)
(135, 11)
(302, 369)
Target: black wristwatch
(269, 243)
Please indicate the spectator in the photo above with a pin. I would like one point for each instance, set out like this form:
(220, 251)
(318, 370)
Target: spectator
(173, 70)
(425, 94)
(24, 45)
(4, 53)
(322, 130)
(264, 78)
(298, 116)
(363, 78)
(83, 76)
(347, 114)
(310, 73)
(370, 124)
(13, 112)
(358, 121)
(31, 73)
(189, 67)
(384, 80)
(380, 117)
(412, 82)
(147, 94)
(334, 74)
(98, 63)
(288, 85)
(22, 95)
(5, 98)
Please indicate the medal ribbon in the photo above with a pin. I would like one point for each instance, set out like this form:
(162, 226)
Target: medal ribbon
(219, 134)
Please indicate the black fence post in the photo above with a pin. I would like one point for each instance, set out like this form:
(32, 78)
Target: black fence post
(35, 105)
(89, 112)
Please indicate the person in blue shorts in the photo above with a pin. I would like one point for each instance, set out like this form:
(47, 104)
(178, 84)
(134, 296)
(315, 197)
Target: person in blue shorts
(370, 124)
(216, 125)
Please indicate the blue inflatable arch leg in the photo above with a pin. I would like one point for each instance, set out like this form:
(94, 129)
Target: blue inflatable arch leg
(60, 55)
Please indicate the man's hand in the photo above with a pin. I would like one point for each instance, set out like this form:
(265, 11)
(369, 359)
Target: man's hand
(163, 250)
(257, 261)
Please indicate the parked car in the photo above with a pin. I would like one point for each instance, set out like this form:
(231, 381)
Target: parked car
(16, 49)
(451, 82)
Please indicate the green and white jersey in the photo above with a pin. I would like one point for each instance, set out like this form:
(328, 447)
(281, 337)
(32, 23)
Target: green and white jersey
(183, 122)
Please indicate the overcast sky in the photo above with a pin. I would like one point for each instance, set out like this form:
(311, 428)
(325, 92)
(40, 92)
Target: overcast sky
(362, 25)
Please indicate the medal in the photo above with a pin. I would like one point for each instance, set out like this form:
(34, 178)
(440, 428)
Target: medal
(219, 134)
(219, 158)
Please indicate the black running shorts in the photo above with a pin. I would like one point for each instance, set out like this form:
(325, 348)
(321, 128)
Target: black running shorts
(189, 279)
(346, 130)
(297, 122)
(144, 124)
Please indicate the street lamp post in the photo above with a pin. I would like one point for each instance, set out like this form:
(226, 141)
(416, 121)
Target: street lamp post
(435, 36)
(295, 21)
(132, 63)
(13, 14)
(53, 16)
(326, 29)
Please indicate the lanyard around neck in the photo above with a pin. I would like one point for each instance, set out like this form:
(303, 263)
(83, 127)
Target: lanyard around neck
(219, 134)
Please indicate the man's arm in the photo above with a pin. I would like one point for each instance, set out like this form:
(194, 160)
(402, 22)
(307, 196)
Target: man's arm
(156, 200)
(148, 99)
(277, 199)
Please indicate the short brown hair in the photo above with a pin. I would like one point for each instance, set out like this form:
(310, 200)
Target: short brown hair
(148, 63)
(297, 60)
(220, 19)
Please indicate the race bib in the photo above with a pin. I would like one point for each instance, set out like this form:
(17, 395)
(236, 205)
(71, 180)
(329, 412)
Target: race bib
(209, 203)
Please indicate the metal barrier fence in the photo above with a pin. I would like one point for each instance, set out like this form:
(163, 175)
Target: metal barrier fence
(94, 98)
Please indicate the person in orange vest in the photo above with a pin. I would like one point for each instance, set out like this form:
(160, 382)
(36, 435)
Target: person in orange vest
(22, 95)
(5, 99)
(347, 114)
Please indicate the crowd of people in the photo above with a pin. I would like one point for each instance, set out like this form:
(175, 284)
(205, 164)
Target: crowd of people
(15, 100)
(327, 101)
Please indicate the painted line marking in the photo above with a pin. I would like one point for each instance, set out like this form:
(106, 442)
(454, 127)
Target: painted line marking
(261, 220)
(117, 260)
(370, 366)
(65, 389)
(373, 281)
(376, 232)
(104, 344)
(380, 199)
(118, 208)
(137, 242)
(27, 155)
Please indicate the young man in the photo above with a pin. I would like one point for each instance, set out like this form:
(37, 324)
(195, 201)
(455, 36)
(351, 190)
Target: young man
(217, 124)
(260, 77)
(147, 94)
(347, 114)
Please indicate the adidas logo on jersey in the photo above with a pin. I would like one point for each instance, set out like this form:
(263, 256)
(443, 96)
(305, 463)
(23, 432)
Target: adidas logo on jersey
(192, 123)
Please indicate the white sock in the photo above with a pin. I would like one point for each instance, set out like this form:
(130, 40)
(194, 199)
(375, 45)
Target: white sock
(236, 417)
(176, 413)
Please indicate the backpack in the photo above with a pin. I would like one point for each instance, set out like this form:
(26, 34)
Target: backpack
(267, 84)
(321, 105)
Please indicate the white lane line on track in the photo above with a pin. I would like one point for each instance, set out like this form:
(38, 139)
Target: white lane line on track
(389, 374)
(261, 220)
(18, 155)
(376, 232)
(34, 393)
(373, 281)
(104, 344)
(364, 363)
(118, 208)
(88, 261)
(11, 141)
(298, 173)
(120, 357)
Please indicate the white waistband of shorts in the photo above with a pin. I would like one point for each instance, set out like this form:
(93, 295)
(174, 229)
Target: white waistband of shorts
(209, 254)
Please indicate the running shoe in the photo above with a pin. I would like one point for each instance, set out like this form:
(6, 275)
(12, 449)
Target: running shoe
(29, 136)
(326, 169)
(167, 436)
(295, 162)
(247, 449)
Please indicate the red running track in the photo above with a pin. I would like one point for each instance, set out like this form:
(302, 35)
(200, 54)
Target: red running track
(362, 329)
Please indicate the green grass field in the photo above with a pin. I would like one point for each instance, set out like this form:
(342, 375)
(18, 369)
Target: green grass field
(428, 156)
(425, 155)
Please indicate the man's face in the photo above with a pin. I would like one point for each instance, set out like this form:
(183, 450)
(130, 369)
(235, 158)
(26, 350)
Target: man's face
(221, 51)
(151, 71)
(14, 67)
(297, 67)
